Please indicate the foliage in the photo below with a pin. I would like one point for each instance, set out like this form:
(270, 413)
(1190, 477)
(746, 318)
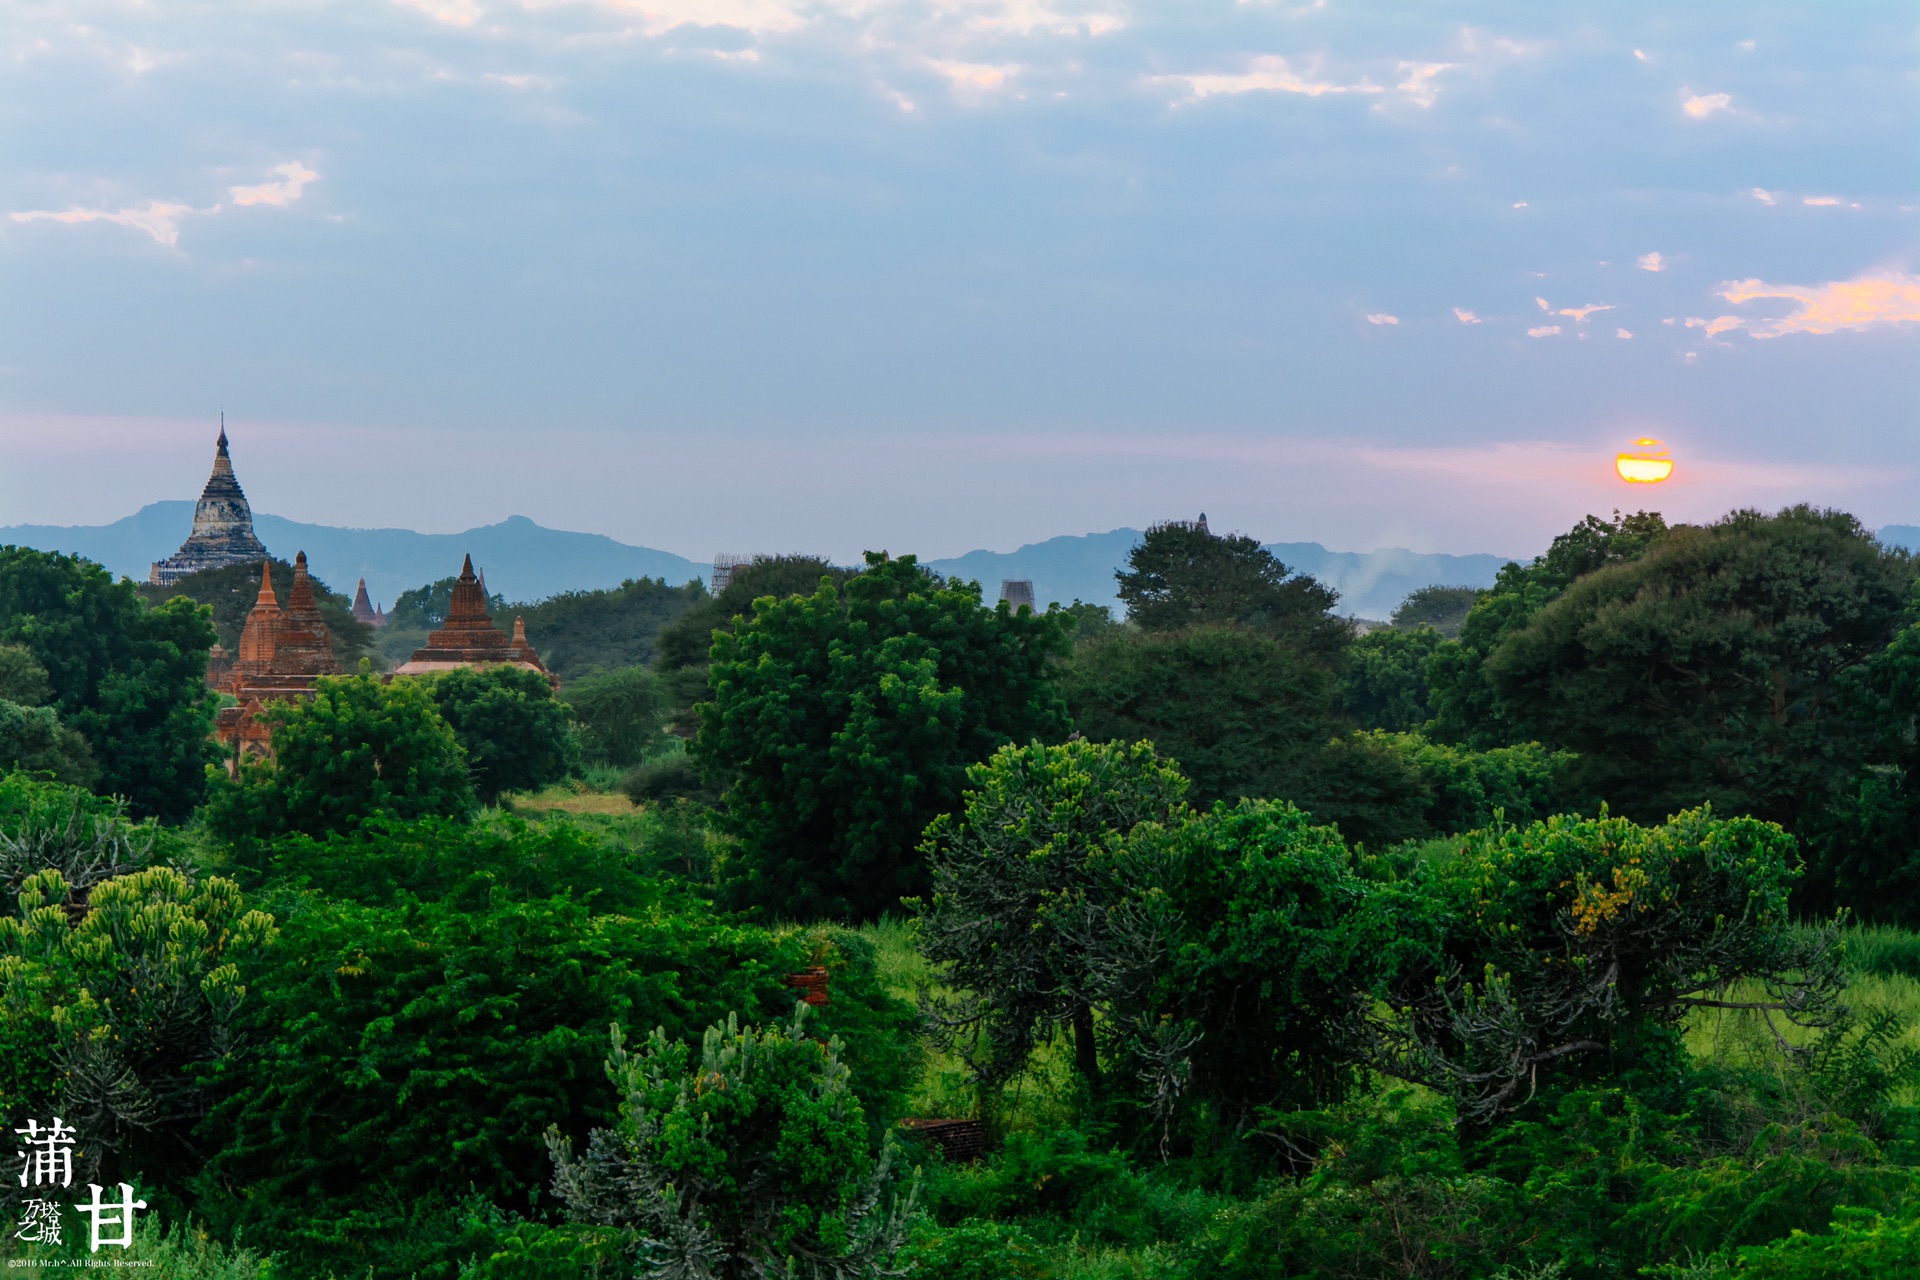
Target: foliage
(426, 608)
(33, 740)
(1466, 710)
(1574, 947)
(358, 748)
(130, 679)
(1383, 788)
(173, 1251)
(583, 632)
(1862, 1245)
(844, 723)
(1384, 682)
(1441, 608)
(127, 1004)
(619, 714)
(754, 1163)
(1017, 882)
(232, 591)
(1241, 713)
(1181, 576)
(516, 735)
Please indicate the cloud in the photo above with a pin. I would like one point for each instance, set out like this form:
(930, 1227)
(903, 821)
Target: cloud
(1544, 331)
(1465, 316)
(1580, 314)
(1821, 202)
(159, 219)
(1268, 74)
(1761, 194)
(1519, 204)
(1871, 301)
(294, 177)
(1622, 333)
(455, 13)
(1381, 317)
(1543, 304)
(1640, 55)
(657, 17)
(1419, 83)
(975, 77)
(1651, 262)
(1702, 105)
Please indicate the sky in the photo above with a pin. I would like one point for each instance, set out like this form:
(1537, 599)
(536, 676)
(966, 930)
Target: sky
(935, 275)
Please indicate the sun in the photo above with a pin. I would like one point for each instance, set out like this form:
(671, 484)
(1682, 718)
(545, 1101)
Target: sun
(1646, 463)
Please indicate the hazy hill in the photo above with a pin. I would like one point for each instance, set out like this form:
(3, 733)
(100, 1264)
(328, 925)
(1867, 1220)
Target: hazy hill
(1370, 583)
(521, 560)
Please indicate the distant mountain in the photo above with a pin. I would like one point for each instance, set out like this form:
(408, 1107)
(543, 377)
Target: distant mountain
(1371, 583)
(1902, 535)
(522, 560)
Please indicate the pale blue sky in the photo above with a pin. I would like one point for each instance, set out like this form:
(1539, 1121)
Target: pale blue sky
(756, 274)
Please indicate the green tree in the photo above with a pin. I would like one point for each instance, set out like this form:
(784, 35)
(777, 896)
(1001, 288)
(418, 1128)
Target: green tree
(1241, 713)
(583, 632)
(1442, 608)
(751, 1163)
(1383, 683)
(619, 714)
(130, 679)
(358, 748)
(843, 722)
(516, 735)
(1383, 788)
(1016, 874)
(1181, 575)
(1713, 669)
(1465, 708)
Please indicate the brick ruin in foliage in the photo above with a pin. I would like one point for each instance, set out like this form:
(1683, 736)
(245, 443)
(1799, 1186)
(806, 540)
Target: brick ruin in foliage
(283, 653)
(469, 638)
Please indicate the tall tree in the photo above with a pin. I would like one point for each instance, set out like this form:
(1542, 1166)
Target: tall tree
(842, 722)
(1383, 682)
(517, 736)
(130, 679)
(1182, 575)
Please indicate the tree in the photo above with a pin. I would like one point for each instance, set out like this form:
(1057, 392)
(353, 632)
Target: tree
(1712, 669)
(1241, 713)
(516, 735)
(1383, 683)
(752, 1163)
(1442, 608)
(843, 722)
(1182, 576)
(1384, 788)
(1015, 873)
(582, 632)
(359, 748)
(130, 679)
(1572, 949)
(1465, 709)
(619, 714)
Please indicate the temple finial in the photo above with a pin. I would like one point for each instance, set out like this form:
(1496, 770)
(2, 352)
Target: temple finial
(223, 433)
(466, 567)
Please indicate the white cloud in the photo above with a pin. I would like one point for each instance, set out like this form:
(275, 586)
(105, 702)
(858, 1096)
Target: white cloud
(1763, 195)
(1744, 46)
(1268, 74)
(1543, 304)
(1580, 314)
(1821, 202)
(974, 77)
(1651, 261)
(1544, 331)
(1702, 105)
(1622, 333)
(294, 177)
(1465, 316)
(159, 219)
(1381, 317)
(1871, 301)
(1640, 54)
(1419, 84)
(1519, 204)
(455, 13)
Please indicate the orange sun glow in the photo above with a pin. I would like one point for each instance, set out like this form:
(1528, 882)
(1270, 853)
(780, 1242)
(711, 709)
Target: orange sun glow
(1646, 463)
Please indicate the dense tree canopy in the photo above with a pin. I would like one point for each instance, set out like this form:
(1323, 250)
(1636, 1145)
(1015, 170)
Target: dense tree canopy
(516, 735)
(128, 678)
(1383, 683)
(580, 633)
(1181, 575)
(844, 721)
(620, 715)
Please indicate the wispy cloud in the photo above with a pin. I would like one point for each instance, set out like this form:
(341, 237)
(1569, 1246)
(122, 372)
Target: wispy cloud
(1622, 333)
(1465, 316)
(1651, 262)
(1543, 331)
(294, 178)
(1381, 317)
(1702, 105)
(1761, 194)
(974, 78)
(1419, 84)
(1580, 314)
(455, 13)
(1871, 301)
(1266, 74)
(159, 219)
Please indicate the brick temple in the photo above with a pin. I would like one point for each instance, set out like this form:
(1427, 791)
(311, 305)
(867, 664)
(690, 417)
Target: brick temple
(364, 609)
(222, 526)
(469, 638)
(283, 653)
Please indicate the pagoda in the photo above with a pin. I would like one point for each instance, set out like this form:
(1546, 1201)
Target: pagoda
(364, 611)
(469, 638)
(222, 526)
(283, 653)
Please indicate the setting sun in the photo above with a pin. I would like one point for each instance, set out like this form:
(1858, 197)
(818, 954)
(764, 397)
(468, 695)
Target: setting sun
(1646, 463)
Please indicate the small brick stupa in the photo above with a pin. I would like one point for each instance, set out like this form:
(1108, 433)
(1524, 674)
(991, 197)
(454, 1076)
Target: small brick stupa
(469, 639)
(222, 527)
(283, 653)
(363, 610)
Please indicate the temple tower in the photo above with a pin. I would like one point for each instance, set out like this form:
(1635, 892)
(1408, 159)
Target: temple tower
(222, 526)
(469, 638)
